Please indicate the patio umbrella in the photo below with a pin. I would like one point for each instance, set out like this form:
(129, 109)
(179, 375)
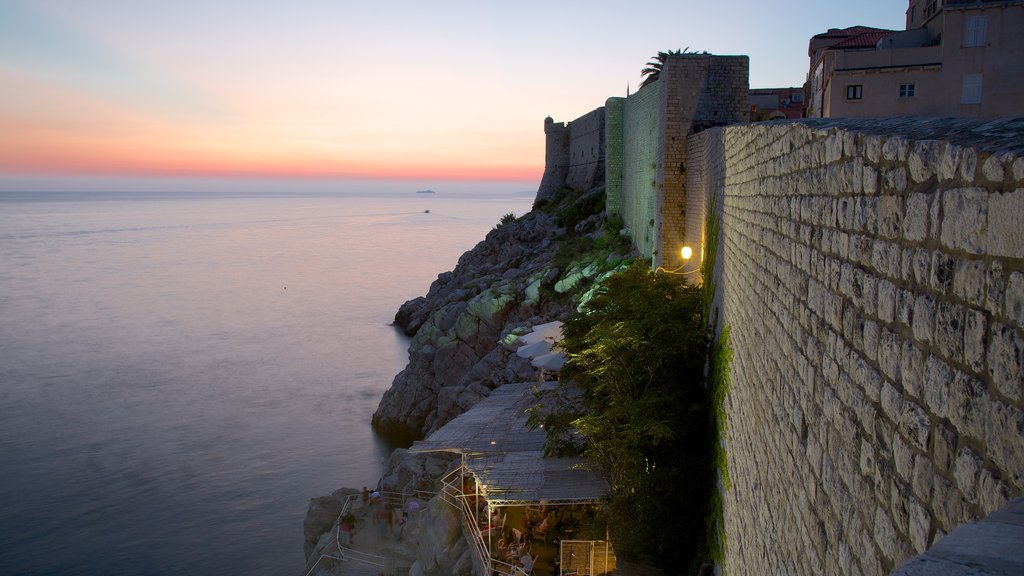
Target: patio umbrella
(553, 361)
(534, 350)
(552, 332)
(537, 345)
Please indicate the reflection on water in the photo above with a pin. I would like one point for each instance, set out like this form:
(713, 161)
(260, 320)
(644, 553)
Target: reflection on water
(178, 376)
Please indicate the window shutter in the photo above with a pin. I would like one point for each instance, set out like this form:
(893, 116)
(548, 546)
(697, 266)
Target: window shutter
(971, 89)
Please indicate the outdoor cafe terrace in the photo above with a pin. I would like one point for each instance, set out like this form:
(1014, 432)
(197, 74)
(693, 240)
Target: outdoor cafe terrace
(522, 513)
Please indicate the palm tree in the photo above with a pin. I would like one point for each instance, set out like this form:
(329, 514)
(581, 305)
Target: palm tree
(653, 69)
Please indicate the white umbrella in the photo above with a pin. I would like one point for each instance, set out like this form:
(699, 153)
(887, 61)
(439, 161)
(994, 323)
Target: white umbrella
(534, 350)
(552, 332)
(538, 343)
(553, 361)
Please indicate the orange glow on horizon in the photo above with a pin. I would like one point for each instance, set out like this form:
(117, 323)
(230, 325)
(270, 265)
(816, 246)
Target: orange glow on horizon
(51, 130)
(141, 163)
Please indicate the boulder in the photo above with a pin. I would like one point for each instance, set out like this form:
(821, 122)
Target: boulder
(320, 517)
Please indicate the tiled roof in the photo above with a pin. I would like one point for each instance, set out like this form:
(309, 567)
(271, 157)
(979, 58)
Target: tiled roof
(866, 39)
(851, 31)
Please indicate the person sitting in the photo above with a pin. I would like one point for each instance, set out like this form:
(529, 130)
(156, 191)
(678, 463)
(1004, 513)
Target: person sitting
(541, 531)
(525, 562)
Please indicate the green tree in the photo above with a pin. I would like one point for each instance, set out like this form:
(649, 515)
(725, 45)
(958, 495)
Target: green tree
(638, 349)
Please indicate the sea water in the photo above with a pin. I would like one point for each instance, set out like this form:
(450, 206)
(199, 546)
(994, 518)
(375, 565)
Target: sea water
(180, 373)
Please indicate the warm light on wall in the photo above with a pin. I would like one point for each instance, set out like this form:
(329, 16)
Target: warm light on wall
(686, 252)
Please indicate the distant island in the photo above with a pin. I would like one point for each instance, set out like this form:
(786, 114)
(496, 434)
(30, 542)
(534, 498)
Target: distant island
(425, 192)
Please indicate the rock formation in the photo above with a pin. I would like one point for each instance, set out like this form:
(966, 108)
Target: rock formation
(527, 272)
(464, 332)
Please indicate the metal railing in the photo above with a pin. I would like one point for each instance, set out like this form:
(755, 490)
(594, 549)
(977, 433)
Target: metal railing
(453, 495)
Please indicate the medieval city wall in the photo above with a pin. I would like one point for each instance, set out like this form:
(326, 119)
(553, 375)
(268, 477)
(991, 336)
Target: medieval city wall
(872, 275)
(646, 176)
(574, 153)
(586, 150)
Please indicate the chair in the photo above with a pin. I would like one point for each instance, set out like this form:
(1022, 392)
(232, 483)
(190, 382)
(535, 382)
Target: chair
(517, 536)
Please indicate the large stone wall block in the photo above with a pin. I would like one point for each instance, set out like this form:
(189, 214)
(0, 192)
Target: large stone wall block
(949, 162)
(924, 318)
(1015, 298)
(896, 148)
(969, 405)
(993, 493)
(965, 218)
(944, 442)
(915, 221)
(1005, 232)
(920, 525)
(895, 180)
(966, 469)
(975, 328)
(1006, 361)
(938, 377)
(949, 330)
(969, 281)
(915, 425)
(1005, 440)
(925, 159)
(968, 164)
(992, 169)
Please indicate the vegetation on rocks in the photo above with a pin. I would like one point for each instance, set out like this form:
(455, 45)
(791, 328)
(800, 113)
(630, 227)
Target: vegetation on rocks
(527, 271)
(643, 348)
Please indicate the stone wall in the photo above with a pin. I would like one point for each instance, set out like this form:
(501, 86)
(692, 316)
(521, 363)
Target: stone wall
(556, 158)
(872, 275)
(586, 151)
(646, 179)
(698, 91)
(574, 153)
(636, 189)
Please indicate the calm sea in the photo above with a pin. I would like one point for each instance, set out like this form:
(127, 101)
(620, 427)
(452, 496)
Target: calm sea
(179, 374)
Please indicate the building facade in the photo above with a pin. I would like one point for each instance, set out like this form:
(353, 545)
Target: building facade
(776, 103)
(955, 58)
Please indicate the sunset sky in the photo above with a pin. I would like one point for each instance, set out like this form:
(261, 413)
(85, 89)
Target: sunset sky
(104, 91)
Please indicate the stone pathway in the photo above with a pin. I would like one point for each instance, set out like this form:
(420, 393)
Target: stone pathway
(992, 547)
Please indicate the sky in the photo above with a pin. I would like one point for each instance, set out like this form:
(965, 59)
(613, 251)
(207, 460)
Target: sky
(191, 93)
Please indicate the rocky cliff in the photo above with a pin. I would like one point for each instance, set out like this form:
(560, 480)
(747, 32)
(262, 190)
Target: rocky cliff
(525, 272)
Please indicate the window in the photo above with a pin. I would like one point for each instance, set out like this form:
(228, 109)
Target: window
(853, 92)
(907, 90)
(975, 31)
(970, 92)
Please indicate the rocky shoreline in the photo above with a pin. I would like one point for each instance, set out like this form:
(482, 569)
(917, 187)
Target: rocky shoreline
(526, 272)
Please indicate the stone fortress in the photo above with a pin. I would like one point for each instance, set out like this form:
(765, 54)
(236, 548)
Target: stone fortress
(872, 276)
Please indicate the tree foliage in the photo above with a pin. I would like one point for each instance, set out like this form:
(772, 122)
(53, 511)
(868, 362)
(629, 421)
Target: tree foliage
(638, 349)
(653, 68)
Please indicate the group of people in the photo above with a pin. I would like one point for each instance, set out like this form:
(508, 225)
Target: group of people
(383, 516)
(515, 550)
